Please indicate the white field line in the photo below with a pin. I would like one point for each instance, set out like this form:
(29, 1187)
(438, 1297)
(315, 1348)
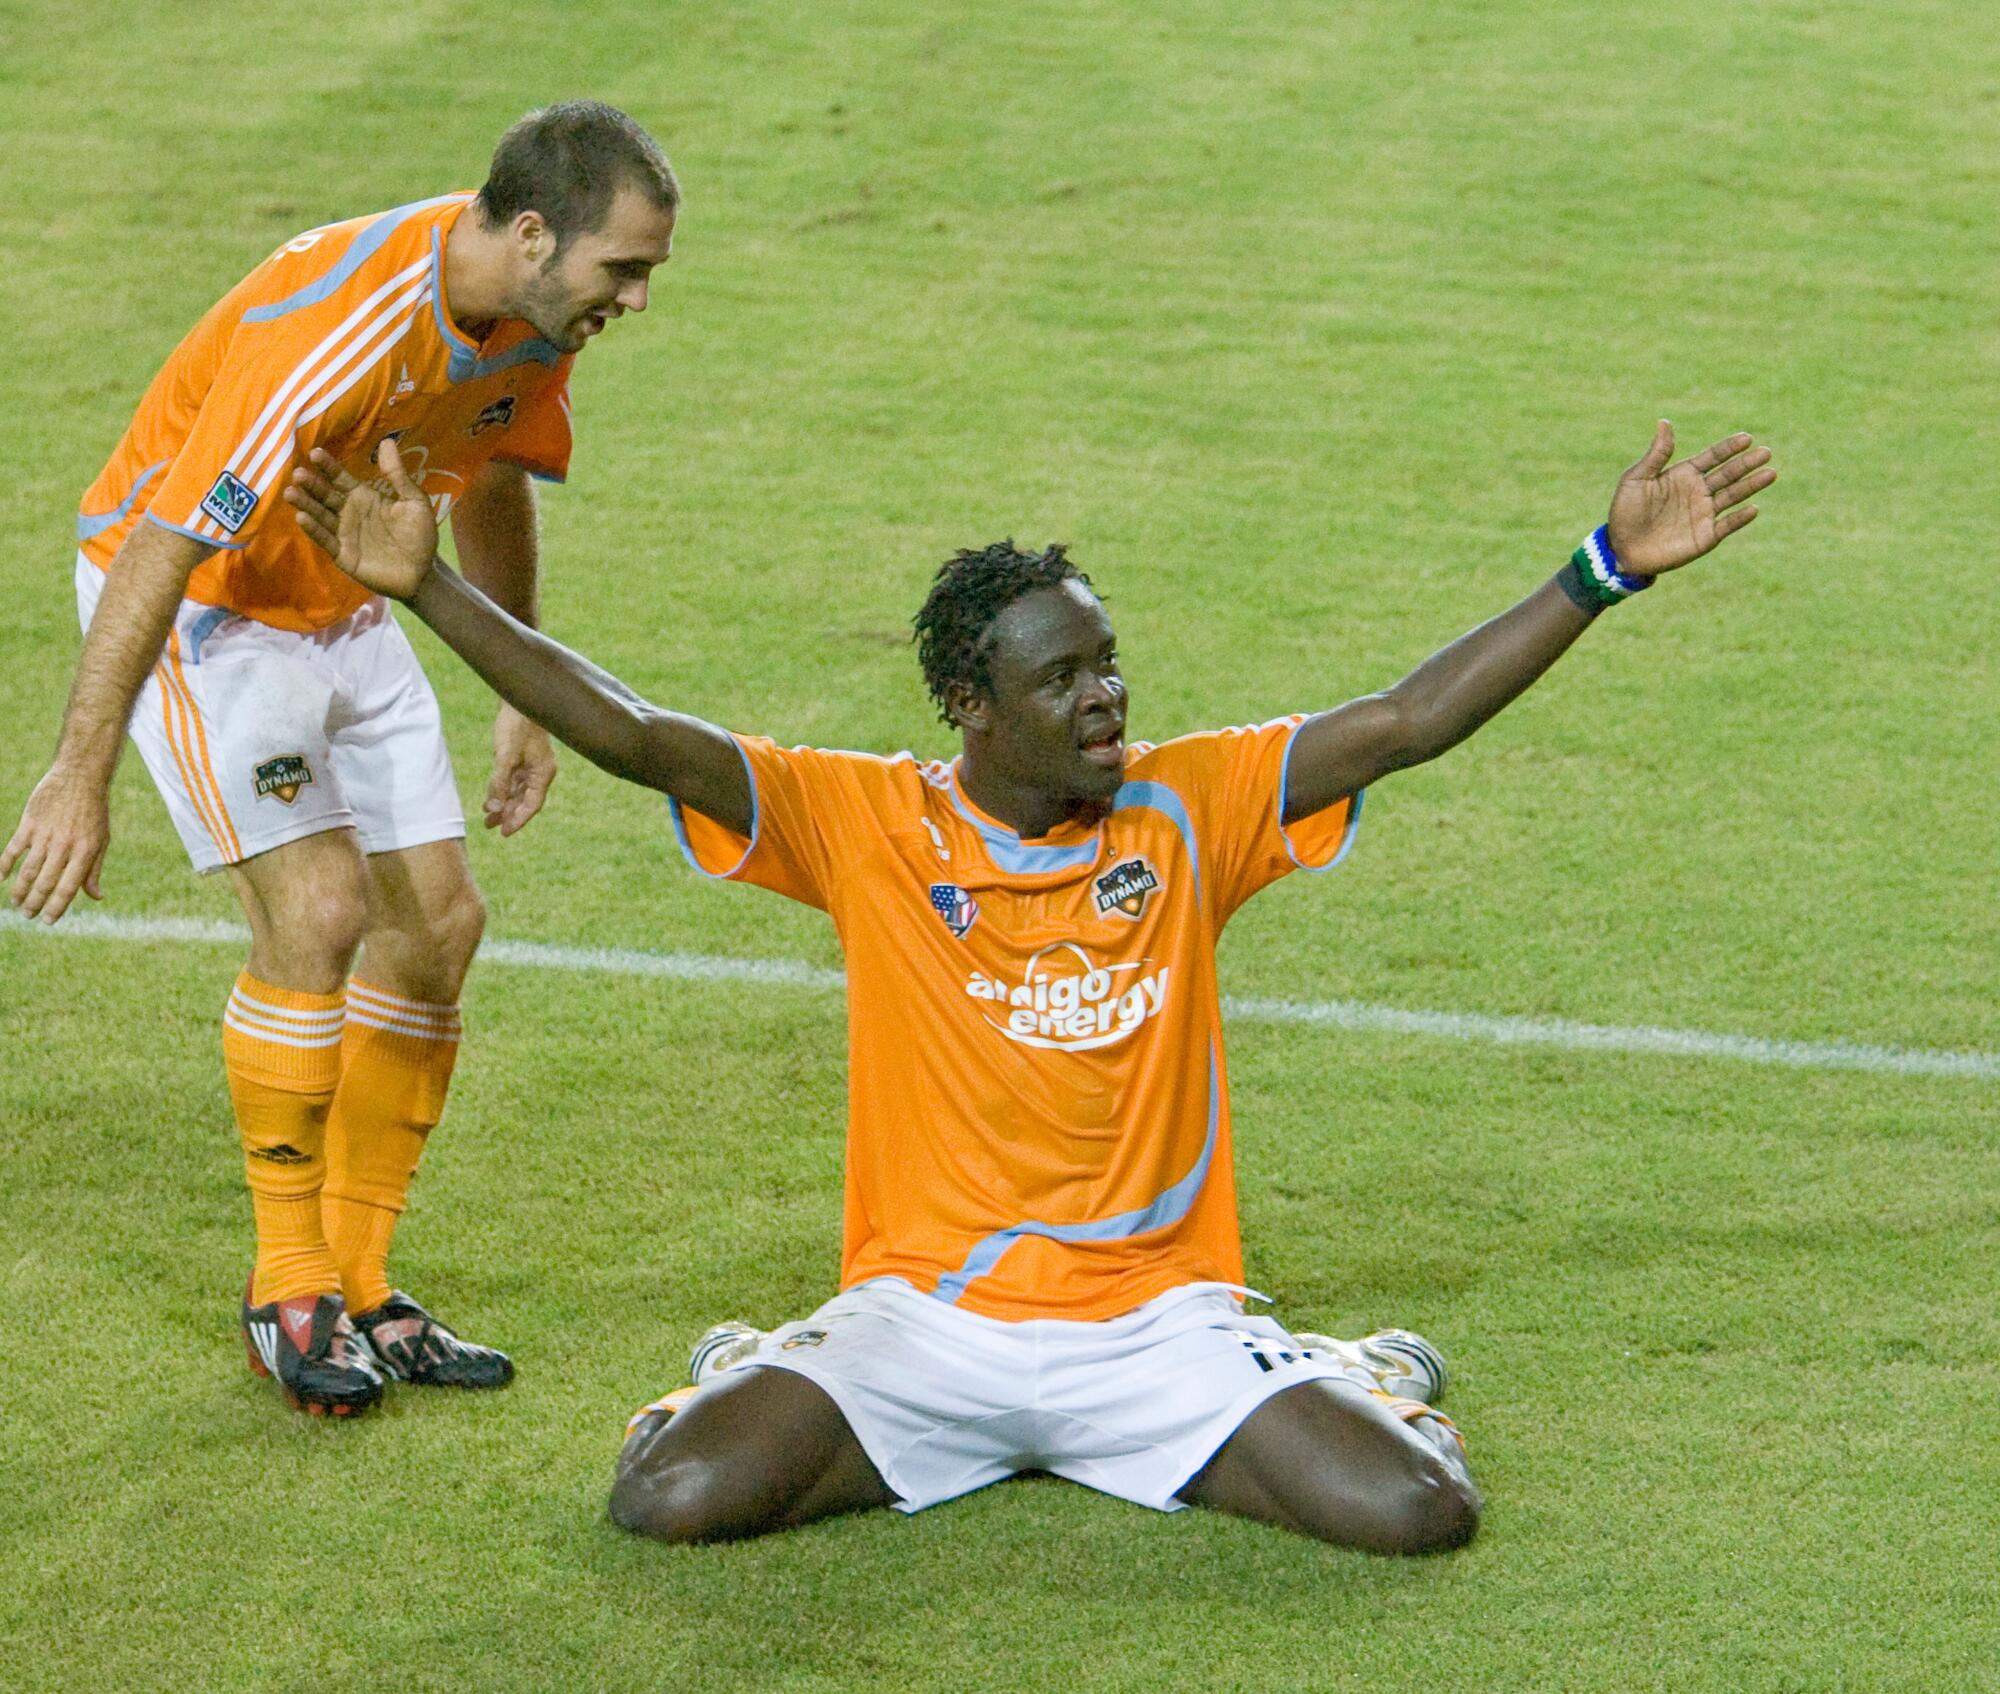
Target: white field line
(1332, 1014)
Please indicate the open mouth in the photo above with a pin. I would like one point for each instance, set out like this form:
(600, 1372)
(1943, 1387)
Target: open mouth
(1105, 749)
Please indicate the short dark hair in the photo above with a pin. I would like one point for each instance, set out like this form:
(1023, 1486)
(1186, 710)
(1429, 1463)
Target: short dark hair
(568, 161)
(971, 590)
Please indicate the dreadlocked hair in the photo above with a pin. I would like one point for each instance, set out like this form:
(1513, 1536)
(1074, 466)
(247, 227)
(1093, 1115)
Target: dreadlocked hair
(972, 589)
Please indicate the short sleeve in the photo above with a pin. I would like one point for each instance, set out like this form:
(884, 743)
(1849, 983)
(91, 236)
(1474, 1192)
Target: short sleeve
(538, 440)
(1232, 782)
(809, 810)
(261, 415)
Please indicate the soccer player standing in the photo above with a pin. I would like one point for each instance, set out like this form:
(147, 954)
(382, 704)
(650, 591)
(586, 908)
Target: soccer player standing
(283, 715)
(1041, 1266)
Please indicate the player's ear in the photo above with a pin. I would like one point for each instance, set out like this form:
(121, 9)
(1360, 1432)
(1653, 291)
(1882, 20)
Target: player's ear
(969, 708)
(533, 236)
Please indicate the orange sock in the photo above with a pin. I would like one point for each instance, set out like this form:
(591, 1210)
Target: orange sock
(395, 1068)
(281, 1049)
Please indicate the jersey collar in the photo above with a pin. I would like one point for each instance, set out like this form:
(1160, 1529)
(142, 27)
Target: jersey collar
(1068, 847)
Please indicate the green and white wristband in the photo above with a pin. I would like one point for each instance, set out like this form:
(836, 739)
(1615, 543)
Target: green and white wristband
(1592, 578)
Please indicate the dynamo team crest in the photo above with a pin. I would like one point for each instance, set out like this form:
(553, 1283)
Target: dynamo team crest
(958, 908)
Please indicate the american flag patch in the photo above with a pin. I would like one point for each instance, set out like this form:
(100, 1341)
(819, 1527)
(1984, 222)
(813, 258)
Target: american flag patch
(955, 906)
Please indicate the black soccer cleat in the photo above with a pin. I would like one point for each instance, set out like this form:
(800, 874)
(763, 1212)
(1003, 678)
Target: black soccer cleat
(412, 1346)
(309, 1344)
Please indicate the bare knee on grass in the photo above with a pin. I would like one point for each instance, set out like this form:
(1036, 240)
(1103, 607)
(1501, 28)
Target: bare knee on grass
(1325, 1465)
(755, 1450)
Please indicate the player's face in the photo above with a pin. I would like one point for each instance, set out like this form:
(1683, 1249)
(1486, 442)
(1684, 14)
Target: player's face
(601, 274)
(1056, 716)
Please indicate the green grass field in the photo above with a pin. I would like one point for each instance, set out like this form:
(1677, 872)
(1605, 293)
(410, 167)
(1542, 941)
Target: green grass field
(1322, 334)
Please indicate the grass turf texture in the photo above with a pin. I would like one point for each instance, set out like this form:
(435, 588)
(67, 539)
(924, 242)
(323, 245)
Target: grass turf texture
(1321, 337)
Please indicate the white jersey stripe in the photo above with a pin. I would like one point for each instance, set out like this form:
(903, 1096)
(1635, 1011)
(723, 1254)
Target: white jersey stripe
(392, 340)
(300, 370)
(279, 436)
(273, 453)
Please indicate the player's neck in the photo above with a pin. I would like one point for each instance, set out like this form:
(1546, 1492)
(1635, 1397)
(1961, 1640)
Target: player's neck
(1025, 809)
(475, 276)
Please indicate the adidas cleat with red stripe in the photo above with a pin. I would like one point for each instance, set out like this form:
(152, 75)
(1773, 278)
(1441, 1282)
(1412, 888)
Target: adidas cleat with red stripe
(309, 1344)
(412, 1346)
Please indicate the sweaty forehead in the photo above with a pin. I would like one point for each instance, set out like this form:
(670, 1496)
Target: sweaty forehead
(1064, 621)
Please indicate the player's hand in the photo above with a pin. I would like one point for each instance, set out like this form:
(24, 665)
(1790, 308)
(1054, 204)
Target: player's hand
(60, 844)
(1665, 516)
(524, 764)
(385, 541)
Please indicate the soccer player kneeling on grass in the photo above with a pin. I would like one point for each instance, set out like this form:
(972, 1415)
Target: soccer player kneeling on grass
(1041, 1267)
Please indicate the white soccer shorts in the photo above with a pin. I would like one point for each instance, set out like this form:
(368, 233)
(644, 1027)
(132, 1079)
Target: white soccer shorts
(257, 736)
(944, 1401)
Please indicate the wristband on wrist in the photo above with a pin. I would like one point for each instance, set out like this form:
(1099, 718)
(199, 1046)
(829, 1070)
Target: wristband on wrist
(1592, 577)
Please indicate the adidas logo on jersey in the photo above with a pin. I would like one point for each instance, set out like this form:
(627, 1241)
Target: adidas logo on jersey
(1067, 1001)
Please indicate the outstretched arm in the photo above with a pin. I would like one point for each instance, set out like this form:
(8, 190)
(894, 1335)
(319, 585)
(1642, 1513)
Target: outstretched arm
(390, 545)
(1662, 517)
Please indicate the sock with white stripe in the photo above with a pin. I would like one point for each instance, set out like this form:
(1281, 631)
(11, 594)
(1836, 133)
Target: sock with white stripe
(281, 1050)
(396, 1060)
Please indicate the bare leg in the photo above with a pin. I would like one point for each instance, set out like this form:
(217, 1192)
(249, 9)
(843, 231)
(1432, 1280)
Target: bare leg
(756, 1450)
(1341, 1468)
(307, 904)
(425, 918)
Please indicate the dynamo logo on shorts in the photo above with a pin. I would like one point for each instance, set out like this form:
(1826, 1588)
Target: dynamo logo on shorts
(1067, 1001)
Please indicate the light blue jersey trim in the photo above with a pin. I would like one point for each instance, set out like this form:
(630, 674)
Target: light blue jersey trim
(203, 627)
(359, 251)
(1015, 856)
(465, 363)
(89, 524)
(680, 824)
(465, 368)
(1158, 797)
(1162, 1213)
(460, 347)
(205, 540)
(1285, 835)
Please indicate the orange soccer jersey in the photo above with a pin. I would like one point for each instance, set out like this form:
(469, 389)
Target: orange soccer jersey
(340, 338)
(1038, 1116)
